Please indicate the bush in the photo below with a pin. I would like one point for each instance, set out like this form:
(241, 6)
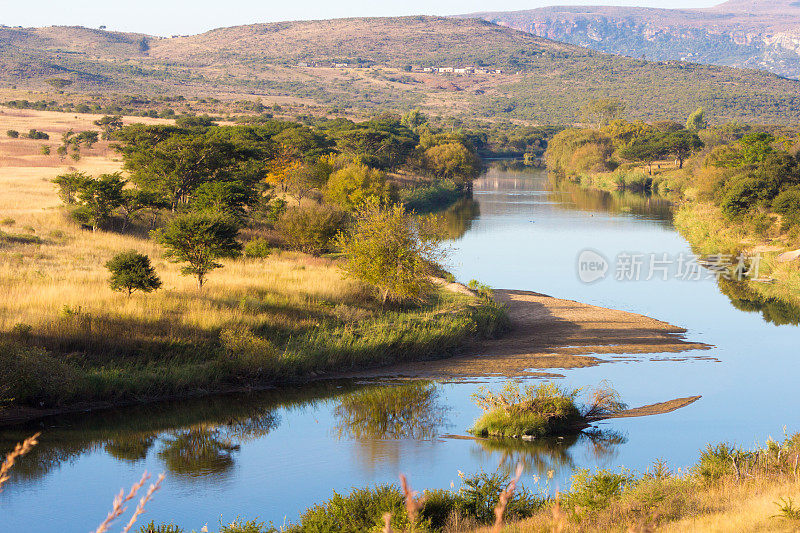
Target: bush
(311, 229)
(787, 203)
(595, 492)
(539, 410)
(131, 271)
(393, 251)
(161, 528)
(31, 376)
(350, 186)
(717, 461)
(480, 494)
(740, 196)
(361, 510)
(257, 248)
(435, 196)
(14, 134)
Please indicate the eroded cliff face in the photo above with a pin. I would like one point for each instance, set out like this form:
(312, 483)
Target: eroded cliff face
(752, 34)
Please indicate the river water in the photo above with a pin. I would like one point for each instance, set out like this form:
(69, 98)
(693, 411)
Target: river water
(273, 454)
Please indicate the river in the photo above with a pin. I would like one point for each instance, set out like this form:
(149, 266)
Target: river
(273, 454)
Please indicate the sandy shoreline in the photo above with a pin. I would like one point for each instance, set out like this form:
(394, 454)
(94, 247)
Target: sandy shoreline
(550, 334)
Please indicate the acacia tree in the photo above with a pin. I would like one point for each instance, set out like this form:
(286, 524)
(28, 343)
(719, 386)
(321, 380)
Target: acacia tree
(199, 240)
(392, 250)
(99, 198)
(109, 124)
(132, 271)
(645, 149)
(682, 144)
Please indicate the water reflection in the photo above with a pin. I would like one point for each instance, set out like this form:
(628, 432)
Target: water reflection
(542, 455)
(573, 196)
(458, 218)
(409, 410)
(744, 298)
(192, 438)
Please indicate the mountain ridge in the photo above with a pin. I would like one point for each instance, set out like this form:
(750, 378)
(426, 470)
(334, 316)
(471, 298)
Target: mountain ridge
(756, 34)
(369, 64)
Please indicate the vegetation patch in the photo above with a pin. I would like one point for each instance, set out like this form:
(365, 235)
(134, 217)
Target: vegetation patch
(543, 410)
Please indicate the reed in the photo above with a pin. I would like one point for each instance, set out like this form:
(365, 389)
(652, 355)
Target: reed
(19, 450)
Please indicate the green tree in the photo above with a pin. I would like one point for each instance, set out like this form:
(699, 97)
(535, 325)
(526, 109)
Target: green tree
(350, 186)
(682, 144)
(132, 271)
(69, 185)
(109, 124)
(645, 149)
(228, 198)
(453, 161)
(14, 134)
(697, 120)
(392, 250)
(99, 198)
(59, 83)
(199, 239)
(134, 201)
(602, 111)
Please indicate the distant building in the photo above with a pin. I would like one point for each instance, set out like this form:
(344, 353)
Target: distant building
(302, 64)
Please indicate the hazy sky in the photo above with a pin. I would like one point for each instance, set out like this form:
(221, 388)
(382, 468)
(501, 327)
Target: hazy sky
(168, 17)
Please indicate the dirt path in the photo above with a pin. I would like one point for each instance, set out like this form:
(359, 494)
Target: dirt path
(550, 333)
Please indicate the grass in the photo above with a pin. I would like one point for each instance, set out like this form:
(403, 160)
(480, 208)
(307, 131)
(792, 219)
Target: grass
(543, 410)
(275, 318)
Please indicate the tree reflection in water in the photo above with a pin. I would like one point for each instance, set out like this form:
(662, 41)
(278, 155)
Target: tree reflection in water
(542, 455)
(406, 411)
(458, 218)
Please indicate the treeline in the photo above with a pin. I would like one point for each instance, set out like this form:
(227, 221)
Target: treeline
(198, 184)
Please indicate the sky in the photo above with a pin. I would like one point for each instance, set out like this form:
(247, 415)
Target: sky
(179, 17)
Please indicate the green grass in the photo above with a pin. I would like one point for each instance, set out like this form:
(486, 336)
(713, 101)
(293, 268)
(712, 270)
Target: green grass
(81, 360)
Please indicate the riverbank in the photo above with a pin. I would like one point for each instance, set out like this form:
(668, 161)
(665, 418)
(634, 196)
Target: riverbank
(549, 334)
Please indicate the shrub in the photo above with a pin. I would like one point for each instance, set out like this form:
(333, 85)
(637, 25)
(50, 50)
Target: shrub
(717, 461)
(539, 410)
(787, 203)
(311, 229)
(31, 376)
(350, 186)
(14, 134)
(740, 196)
(38, 135)
(393, 251)
(480, 494)
(161, 528)
(257, 248)
(131, 271)
(361, 510)
(439, 194)
(595, 492)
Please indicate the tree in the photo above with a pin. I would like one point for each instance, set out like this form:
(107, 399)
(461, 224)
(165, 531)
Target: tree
(14, 134)
(454, 161)
(99, 198)
(352, 185)
(602, 111)
(645, 149)
(199, 239)
(697, 120)
(134, 201)
(59, 83)
(69, 184)
(682, 144)
(228, 198)
(131, 271)
(109, 124)
(306, 177)
(392, 250)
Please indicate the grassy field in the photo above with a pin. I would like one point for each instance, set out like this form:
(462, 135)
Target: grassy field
(68, 338)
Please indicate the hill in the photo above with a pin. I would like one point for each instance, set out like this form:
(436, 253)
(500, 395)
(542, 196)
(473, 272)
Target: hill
(759, 34)
(379, 63)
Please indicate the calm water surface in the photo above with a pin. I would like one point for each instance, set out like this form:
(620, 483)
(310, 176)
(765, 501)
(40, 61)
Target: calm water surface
(271, 455)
